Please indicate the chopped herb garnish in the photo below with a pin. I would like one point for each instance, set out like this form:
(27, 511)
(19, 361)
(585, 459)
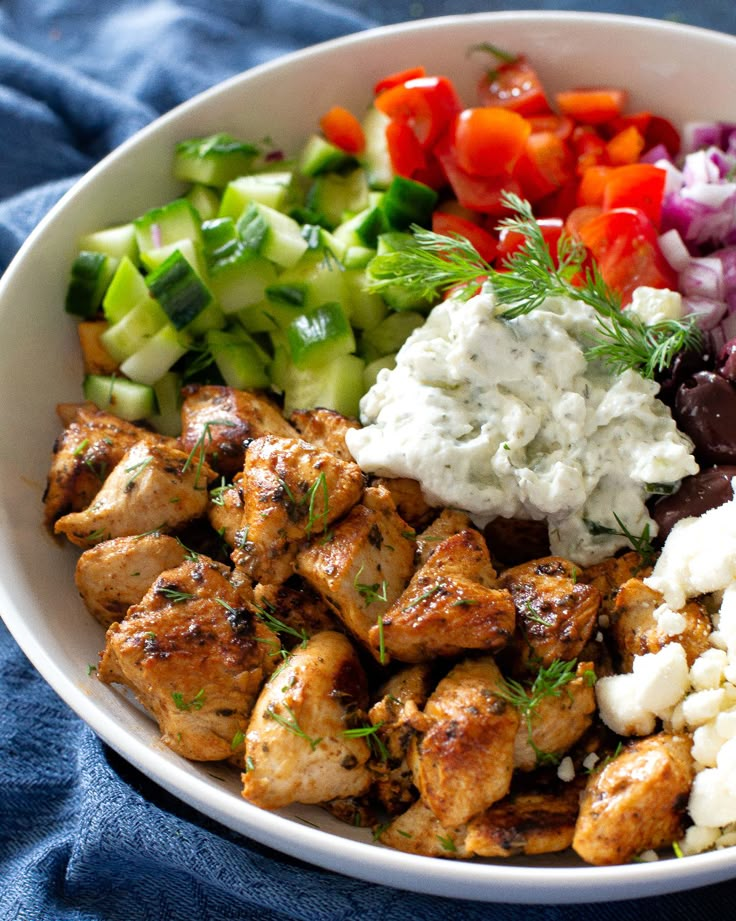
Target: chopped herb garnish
(291, 724)
(196, 703)
(174, 594)
(278, 626)
(447, 843)
(198, 448)
(217, 495)
(237, 739)
(374, 740)
(136, 469)
(377, 591)
(424, 596)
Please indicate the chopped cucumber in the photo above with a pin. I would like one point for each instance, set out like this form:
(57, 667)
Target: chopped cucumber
(179, 290)
(389, 335)
(273, 189)
(90, 275)
(376, 158)
(274, 235)
(407, 202)
(170, 223)
(241, 280)
(126, 399)
(320, 156)
(155, 357)
(133, 330)
(370, 372)
(214, 160)
(335, 195)
(365, 308)
(167, 419)
(320, 336)
(313, 281)
(337, 385)
(116, 241)
(239, 359)
(126, 290)
(205, 200)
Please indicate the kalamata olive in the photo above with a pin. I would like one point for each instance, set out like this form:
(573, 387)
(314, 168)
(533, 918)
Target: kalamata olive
(705, 409)
(684, 366)
(705, 490)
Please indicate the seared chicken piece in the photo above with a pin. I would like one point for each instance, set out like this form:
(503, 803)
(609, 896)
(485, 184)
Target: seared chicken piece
(364, 566)
(449, 606)
(401, 697)
(419, 831)
(117, 573)
(152, 488)
(95, 357)
(636, 631)
(294, 610)
(221, 421)
(463, 757)
(557, 721)
(297, 749)
(609, 575)
(325, 429)
(556, 613)
(635, 802)
(525, 823)
(408, 499)
(84, 454)
(449, 521)
(196, 656)
(225, 510)
(293, 492)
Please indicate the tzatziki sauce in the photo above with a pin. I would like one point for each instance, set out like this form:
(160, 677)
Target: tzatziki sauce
(507, 418)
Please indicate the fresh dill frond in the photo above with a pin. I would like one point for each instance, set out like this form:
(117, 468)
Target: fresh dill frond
(428, 266)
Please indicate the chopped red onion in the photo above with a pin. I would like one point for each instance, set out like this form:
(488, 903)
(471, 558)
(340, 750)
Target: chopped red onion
(702, 277)
(708, 312)
(674, 250)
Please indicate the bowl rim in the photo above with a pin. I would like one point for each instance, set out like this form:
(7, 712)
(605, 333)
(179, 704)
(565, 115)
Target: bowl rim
(372, 863)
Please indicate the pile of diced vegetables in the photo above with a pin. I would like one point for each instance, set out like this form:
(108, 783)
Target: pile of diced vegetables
(259, 275)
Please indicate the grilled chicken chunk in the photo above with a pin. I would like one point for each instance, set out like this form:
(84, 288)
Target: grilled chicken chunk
(292, 492)
(84, 454)
(463, 757)
(117, 573)
(635, 802)
(609, 575)
(556, 613)
(221, 421)
(152, 488)
(449, 606)
(364, 566)
(449, 521)
(196, 656)
(419, 831)
(225, 510)
(297, 750)
(558, 720)
(294, 609)
(408, 499)
(401, 698)
(636, 631)
(325, 429)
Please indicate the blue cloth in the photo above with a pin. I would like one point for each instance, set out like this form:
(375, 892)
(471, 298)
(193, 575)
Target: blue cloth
(83, 836)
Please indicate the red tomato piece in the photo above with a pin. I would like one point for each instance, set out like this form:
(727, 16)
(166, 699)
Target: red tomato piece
(561, 202)
(662, 131)
(624, 244)
(638, 185)
(478, 193)
(509, 241)
(400, 76)
(593, 185)
(545, 165)
(489, 140)
(426, 104)
(589, 147)
(406, 153)
(640, 121)
(483, 241)
(343, 129)
(579, 216)
(560, 125)
(514, 85)
(592, 106)
(626, 146)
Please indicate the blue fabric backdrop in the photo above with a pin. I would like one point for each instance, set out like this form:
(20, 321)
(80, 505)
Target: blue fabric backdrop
(83, 836)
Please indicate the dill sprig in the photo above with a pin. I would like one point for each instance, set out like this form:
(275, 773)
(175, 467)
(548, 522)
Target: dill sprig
(549, 681)
(431, 264)
(291, 723)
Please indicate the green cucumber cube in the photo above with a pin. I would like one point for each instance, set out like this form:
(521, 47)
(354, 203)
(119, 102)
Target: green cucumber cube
(319, 337)
(273, 189)
(337, 385)
(214, 160)
(274, 235)
(116, 241)
(123, 398)
(90, 275)
(155, 357)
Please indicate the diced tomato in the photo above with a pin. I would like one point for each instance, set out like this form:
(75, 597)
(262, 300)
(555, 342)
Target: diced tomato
(426, 104)
(432, 173)
(662, 131)
(623, 242)
(399, 77)
(509, 241)
(514, 85)
(593, 185)
(591, 106)
(589, 148)
(561, 202)
(478, 193)
(626, 146)
(484, 241)
(640, 121)
(406, 153)
(579, 216)
(544, 166)
(343, 129)
(489, 140)
(638, 185)
(560, 125)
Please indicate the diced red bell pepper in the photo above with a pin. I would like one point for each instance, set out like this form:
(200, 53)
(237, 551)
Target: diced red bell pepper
(406, 153)
(592, 106)
(398, 77)
(343, 129)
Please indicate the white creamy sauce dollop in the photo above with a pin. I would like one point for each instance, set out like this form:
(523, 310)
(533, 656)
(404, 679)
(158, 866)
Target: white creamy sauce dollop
(507, 418)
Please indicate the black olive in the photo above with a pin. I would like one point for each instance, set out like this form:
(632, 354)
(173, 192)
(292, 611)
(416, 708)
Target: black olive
(705, 490)
(705, 410)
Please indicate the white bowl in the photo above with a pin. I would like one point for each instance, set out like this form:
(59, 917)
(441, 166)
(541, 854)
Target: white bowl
(680, 72)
